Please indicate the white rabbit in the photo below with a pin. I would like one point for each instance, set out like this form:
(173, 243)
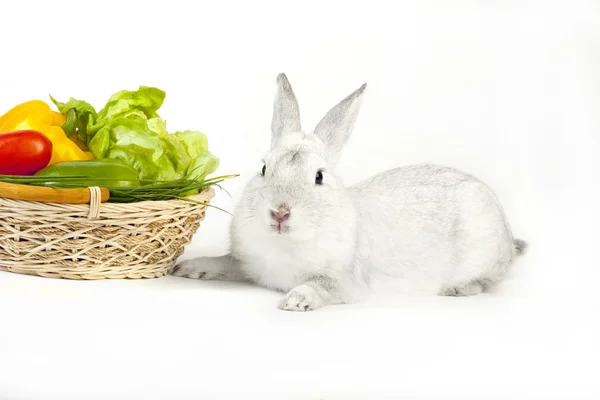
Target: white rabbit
(297, 229)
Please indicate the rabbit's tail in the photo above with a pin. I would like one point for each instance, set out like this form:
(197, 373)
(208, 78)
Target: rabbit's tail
(520, 246)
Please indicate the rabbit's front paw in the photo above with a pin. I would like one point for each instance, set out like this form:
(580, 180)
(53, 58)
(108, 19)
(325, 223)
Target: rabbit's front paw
(468, 289)
(301, 298)
(199, 268)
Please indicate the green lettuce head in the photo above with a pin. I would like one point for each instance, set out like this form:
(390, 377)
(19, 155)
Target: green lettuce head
(129, 128)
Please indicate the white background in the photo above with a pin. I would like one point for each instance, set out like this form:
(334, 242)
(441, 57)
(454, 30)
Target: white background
(506, 90)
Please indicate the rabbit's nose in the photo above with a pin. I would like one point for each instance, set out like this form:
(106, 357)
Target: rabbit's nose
(280, 215)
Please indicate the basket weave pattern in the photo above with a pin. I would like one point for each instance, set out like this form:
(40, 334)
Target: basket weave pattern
(133, 240)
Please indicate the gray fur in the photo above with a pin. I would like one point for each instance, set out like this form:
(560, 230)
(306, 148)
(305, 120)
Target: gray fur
(415, 229)
(520, 246)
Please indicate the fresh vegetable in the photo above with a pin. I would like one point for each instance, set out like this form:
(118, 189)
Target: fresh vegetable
(177, 189)
(37, 115)
(24, 152)
(129, 128)
(125, 147)
(79, 115)
(103, 173)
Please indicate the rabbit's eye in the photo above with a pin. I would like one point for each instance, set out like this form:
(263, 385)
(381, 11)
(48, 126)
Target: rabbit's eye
(264, 169)
(319, 178)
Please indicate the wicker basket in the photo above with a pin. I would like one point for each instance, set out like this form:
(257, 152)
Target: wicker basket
(97, 240)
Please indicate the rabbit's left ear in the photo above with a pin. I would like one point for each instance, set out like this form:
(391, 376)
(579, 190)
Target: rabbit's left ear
(335, 128)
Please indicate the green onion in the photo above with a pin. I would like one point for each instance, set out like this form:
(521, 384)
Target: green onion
(149, 191)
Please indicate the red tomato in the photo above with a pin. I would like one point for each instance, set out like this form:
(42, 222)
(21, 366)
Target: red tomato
(24, 152)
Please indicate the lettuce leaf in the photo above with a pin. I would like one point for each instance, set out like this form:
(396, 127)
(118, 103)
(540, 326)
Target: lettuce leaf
(129, 128)
(203, 165)
(138, 157)
(146, 99)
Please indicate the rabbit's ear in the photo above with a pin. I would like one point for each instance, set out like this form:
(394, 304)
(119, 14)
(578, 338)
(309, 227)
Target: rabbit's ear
(335, 128)
(286, 113)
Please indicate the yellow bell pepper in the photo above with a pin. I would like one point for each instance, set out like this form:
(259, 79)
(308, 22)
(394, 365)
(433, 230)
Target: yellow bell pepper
(38, 116)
